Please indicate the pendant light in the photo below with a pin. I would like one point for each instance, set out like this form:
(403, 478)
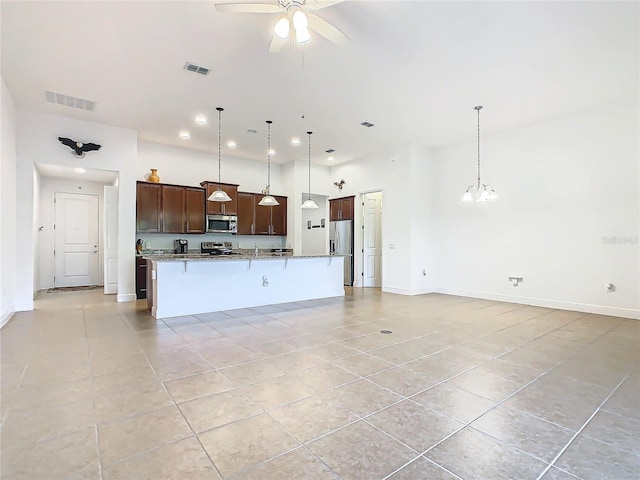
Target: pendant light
(268, 200)
(308, 203)
(219, 195)
(484, 192)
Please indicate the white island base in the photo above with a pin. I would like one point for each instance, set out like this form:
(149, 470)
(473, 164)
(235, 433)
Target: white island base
(188, 286)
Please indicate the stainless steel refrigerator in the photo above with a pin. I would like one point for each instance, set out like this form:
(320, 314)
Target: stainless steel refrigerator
(341, 243)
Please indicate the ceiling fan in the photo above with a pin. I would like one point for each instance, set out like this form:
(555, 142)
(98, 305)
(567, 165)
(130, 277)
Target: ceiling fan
(297, 14)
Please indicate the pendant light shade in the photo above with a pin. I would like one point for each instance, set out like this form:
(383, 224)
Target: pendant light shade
(268, 200)
(483, 192)
(308, 203)
(219, 195)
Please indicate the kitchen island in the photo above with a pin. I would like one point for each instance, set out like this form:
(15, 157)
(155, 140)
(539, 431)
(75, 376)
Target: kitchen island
(193, 284)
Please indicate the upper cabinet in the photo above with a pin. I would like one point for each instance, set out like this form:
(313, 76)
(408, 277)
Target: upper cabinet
(148, 210)
(341, 208)
(224, 208)
(254, 219)
(162, 208)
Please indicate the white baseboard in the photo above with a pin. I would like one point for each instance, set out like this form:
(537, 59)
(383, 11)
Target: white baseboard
(126, 297)
(5, 318)
(540, 302)
(403, 291)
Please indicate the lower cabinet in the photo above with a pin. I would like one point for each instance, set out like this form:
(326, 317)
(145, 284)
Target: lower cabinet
(141, 278)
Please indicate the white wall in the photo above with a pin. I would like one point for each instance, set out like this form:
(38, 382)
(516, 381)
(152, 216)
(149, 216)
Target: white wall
(37, 142)
(391, 172)
(315, 241)
(46, 237)
(566, 188)
(8, 203)
(181, 166)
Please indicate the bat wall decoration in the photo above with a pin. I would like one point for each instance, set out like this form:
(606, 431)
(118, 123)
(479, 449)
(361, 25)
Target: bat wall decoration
(78, 147)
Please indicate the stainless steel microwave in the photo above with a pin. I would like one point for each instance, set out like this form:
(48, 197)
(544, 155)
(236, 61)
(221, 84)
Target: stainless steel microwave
(222, 224)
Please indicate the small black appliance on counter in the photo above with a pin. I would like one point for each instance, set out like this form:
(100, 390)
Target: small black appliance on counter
(181, 245)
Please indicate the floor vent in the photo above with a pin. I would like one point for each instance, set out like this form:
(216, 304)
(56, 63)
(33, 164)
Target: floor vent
(69, 101)
(192, 67)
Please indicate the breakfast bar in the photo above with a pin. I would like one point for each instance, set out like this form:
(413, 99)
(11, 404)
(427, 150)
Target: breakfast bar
(193, 284)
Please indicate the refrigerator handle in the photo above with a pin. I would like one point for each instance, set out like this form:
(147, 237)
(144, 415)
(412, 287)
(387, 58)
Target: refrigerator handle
(338, 240)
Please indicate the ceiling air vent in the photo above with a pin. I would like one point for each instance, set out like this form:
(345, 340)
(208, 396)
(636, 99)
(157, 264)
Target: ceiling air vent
(331, 150)
(192, 67)
(69, 101)
(367, 124)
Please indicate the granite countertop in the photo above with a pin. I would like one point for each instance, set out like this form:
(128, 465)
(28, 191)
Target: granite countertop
(204, 257)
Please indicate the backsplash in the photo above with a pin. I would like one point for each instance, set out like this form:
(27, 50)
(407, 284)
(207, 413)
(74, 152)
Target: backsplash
(164, 241)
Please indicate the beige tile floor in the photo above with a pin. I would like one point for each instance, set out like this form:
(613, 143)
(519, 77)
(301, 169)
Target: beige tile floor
(461, 389)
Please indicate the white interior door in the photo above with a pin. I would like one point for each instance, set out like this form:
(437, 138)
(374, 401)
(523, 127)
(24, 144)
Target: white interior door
(76, 240)
(110, 239)
(372, 248)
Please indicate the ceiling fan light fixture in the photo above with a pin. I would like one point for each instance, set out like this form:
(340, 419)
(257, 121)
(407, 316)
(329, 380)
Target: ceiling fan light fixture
(300, 20)
(282, 28)
(303, 35)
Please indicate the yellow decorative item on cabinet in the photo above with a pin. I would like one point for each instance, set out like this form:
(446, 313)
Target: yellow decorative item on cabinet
(154, 176)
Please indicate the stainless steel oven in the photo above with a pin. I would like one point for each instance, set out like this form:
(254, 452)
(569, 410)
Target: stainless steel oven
(222, 224)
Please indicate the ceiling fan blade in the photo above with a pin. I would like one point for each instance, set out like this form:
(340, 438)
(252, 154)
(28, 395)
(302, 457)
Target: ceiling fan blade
(276, 44)
(248, 7)
(320, 4)
(327, 30)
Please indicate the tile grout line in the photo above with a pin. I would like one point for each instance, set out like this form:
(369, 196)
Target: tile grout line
(93, 396)
(551, 464)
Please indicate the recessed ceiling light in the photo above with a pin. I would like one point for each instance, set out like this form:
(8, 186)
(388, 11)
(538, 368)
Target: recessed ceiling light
(80, 170)
(330, 159)
(201, 120)
(252, 130)
(185, 135)
(295, 141)
(271, 151)
(231, 144)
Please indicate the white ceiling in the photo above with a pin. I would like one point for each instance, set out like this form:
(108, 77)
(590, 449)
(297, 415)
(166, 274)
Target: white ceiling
(414, 69)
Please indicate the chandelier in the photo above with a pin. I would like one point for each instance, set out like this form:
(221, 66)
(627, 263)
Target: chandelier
(483, 192)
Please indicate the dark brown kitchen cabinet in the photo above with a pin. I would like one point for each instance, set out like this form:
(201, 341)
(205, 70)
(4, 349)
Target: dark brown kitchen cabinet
(224, 208)
(254, 219)
(194, 208)
(245, 213)
(341, 208)
(279, 217)
(141, 278)
(173, 209)
(162, 208)
(148, 207)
